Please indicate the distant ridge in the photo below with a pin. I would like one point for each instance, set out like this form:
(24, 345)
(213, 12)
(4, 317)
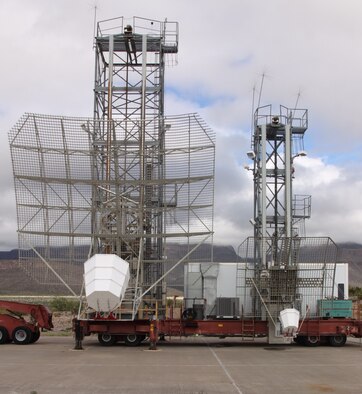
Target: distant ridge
(11, 255)
(13, 279)
(349, 245)
(351, 253)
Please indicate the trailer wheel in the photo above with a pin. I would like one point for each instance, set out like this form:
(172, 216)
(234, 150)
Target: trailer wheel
(21, 335)
(337, 340)
(4, 335)
(312, 340)
(35, 336)
(299, 340)
(133, 340)
(107, 339)
(189, 314)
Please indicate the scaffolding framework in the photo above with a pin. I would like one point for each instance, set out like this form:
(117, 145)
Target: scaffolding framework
(310, 277)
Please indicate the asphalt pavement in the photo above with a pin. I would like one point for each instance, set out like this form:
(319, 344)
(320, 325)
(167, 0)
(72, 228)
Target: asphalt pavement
(193, 365)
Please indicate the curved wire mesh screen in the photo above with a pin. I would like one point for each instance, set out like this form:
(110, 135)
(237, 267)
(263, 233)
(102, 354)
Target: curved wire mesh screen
(63, 195)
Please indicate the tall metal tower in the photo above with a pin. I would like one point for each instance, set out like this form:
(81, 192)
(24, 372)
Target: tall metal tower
(129, 103)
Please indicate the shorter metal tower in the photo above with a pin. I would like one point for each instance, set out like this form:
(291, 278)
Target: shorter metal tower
(277, 141)
(273, 258)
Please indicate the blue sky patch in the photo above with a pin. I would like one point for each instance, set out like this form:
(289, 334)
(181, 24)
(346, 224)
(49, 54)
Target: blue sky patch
(196, 96)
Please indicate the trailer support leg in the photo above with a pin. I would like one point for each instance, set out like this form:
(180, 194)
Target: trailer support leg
(78, 335)
(153, 336)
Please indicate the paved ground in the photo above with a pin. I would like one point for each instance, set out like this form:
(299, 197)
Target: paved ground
(193, 365)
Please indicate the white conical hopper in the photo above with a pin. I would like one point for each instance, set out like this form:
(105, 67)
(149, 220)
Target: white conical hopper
(106, 279)
(290, 320)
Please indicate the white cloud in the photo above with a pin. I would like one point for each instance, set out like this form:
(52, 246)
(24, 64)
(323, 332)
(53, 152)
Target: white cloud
(335, 192)
(315, 172)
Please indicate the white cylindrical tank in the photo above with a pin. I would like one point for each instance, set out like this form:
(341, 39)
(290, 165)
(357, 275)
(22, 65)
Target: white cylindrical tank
(106, 279)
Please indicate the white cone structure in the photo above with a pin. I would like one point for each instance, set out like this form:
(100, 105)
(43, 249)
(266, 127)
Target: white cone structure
(106, 279)
(290, 320)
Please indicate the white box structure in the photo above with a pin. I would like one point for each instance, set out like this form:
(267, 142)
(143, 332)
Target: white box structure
(234, 280)
(106, 279)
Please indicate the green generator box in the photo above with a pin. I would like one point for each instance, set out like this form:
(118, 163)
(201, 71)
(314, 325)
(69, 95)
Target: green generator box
(335, 308)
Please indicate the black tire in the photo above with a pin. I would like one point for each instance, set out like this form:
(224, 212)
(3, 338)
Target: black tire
(21, 335)
(107, 339)
(133, 340)
(4, 335)
(337, 340)
(189, 314)
(299, 340)
(35, 336)
(312, 340)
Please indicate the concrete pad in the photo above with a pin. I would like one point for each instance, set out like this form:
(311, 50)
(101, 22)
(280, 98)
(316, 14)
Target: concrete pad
(193, 365)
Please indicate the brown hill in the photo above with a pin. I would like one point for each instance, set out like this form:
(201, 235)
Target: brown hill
(14, 279)
(351, 253)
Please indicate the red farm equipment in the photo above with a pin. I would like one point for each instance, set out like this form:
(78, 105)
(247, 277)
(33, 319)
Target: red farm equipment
(21, 322)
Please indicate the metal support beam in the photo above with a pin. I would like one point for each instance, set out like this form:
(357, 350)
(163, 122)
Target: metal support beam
(288, 181)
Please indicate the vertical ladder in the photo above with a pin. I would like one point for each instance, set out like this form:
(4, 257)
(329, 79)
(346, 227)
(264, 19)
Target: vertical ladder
(248, 328)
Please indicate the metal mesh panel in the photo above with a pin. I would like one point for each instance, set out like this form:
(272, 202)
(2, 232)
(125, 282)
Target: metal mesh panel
(302, 273)
(62, 195)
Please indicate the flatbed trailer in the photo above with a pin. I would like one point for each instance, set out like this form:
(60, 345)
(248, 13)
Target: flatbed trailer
(311, 332)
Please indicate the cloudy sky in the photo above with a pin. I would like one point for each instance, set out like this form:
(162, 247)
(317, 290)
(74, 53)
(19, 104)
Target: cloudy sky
(311, 48)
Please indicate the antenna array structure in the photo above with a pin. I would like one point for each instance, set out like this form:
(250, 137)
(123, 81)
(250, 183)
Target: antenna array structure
(130, 181)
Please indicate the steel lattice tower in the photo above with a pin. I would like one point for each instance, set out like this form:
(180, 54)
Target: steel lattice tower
(277, 140)
(129, 102)
(281, 267)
